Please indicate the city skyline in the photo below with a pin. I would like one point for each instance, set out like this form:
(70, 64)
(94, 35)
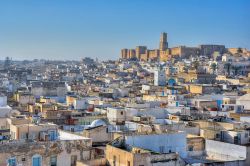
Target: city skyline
(128, 82)
(71, 31)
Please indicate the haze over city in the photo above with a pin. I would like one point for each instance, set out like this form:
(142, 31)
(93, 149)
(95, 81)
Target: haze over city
(71, 30)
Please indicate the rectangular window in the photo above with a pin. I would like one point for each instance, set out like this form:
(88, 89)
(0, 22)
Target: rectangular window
(73, 160)
(32, 135)
(36, 161)
(161, 148)
(24, 135)
(236, 141)
(12, 161)
(53, 161)
(52, 135)
(114, 160)
(190, 148)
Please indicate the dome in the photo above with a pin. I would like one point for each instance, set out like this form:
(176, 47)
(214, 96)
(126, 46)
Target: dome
(98, 122)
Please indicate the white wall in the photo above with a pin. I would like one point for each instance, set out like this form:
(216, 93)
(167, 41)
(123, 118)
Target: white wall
(174, 142)
(244, 100)
(64, 158)
(158, 113)
(116, 115)
(145, 87)
(245, 119)
(3, 123)
(228, 136)
(131, 126)
(130, 113)
(80, 104)
(225, 151)
(5, 111)
(220, 113)
(159, 78)
(3, 101)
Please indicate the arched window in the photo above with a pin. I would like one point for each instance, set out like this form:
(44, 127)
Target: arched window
(36, 160)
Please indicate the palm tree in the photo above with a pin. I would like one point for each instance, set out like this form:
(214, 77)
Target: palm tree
(227, 66)
(213, 67)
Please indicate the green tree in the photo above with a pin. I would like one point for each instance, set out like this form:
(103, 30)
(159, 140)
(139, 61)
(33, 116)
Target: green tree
(213, 66)
(227, 67)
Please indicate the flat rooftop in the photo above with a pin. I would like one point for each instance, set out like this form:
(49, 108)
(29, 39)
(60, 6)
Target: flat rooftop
(66, 136)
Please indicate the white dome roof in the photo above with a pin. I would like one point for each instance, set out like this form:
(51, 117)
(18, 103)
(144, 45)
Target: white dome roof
(98, 122)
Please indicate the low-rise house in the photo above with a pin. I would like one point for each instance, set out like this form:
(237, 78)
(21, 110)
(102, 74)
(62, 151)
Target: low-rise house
(203, 88)
(34, 131)
(24, 98)
(116, 115)
(227, 153)
(195, 145)
(64, 151)
(204, 103)
(244, 100)
(98, 134)
(239, 137)
(120, 152)
(232, 107)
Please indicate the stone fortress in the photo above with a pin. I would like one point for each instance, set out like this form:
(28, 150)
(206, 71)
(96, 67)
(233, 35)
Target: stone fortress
(164, 53)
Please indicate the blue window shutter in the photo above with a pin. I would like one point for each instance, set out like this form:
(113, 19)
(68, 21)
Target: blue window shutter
(37, 161)
(12, 162)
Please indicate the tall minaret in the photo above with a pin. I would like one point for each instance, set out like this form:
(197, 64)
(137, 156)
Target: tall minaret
(163, 42)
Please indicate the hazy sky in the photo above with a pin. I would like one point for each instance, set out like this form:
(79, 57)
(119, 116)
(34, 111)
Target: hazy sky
(73, 29)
